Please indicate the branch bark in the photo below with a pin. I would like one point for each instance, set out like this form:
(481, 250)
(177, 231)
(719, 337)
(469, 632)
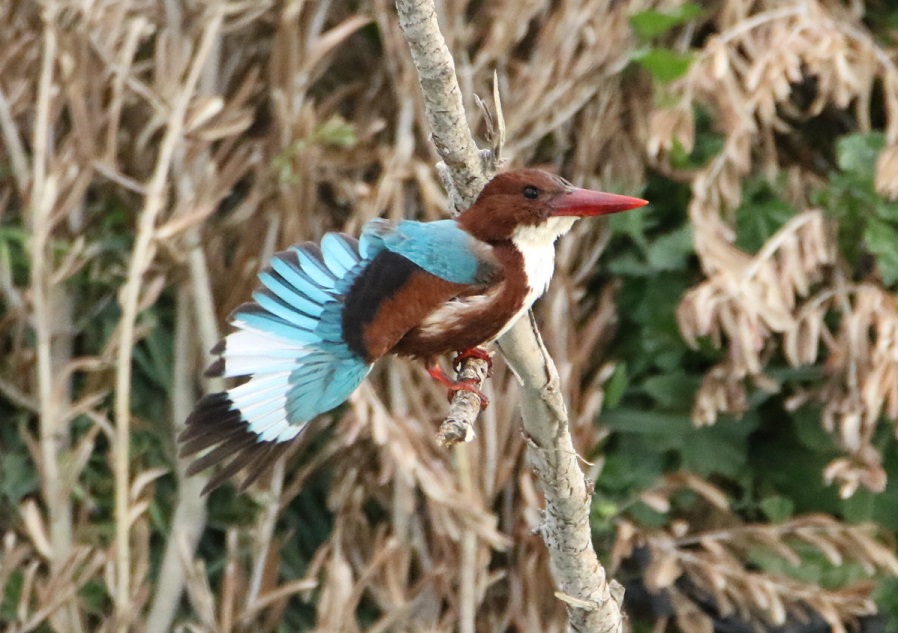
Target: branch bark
(443, 102)
(592, 603)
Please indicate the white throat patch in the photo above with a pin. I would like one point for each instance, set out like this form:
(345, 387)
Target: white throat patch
(537, 245)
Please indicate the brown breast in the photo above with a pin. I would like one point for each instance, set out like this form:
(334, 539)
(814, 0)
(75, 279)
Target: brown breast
(474, 317)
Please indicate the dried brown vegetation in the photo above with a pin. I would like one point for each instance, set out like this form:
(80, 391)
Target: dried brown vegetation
(749, 74)
(154, 154)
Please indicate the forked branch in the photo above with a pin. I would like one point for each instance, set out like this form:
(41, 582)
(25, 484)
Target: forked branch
(592, 604)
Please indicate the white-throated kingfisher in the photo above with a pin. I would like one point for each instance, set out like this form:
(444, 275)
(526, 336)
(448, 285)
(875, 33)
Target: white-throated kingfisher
(325, 314)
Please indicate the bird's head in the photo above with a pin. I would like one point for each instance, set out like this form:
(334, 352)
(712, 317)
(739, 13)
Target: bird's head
(535, 205)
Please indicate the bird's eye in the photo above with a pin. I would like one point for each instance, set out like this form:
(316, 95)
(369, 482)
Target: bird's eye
(531, 192)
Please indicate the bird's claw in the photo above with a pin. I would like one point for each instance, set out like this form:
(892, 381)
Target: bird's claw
(474, 352)
(465, 384)
(470, 385)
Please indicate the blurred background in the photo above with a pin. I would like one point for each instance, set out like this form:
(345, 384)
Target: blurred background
(729, 354)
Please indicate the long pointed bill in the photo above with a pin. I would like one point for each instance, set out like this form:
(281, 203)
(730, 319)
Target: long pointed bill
(586, 202)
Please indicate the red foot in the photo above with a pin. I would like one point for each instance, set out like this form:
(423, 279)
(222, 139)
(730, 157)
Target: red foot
(474, 352)
(437, 373)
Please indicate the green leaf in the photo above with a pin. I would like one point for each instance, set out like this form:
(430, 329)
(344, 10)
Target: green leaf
(714, 451)
(647, 25)
(336, 132)
(882, 240)
(605, 509)
(646, 422)
(632, 224)
(671, 251)
(628, 265)
(673, 391)
(631, 466)
(860, 506)
(756, 222)
(810, 434)
(664, 64)
(17, 477)
(616, 386)
(886, 595)
(9, 600)
(857, 153)
(887, 211)
(777, 508)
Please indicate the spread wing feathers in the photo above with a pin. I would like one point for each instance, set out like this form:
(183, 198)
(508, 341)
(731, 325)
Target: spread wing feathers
(289, 342)
(441, 248)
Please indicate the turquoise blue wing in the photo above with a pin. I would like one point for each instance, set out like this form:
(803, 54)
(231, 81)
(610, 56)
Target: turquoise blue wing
(289, 343)
(441, 248)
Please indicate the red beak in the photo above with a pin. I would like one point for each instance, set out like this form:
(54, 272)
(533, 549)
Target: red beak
(585, 202)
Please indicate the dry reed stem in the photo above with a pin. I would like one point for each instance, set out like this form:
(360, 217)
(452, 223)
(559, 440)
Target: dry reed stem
(140, 260)
(189, 517)
(42, 201)
(118, 65)
(52, 318)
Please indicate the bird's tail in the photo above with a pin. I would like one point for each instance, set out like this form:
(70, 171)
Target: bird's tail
(289, 342)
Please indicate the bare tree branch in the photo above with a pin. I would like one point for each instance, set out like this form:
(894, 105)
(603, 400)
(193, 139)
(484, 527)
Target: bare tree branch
(593, 605)
(442, 100)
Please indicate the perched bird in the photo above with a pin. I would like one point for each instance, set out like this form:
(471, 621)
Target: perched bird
(325, 314)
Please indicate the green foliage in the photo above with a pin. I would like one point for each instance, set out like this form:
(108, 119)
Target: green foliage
(814, 568)
(650, 394)
(867, 223)
(886, 595)
(652, 23)
(10, 599)
(336, 132)
(663, 63)
(760, 215)
(777, 508)
(13, 261)
(17, 478)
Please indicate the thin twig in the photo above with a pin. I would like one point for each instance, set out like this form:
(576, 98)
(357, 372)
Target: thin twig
(264, 537)
(467, 599)
(14, 146)
(458, 426)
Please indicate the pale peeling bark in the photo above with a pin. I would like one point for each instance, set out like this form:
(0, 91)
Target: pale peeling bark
(593, 604)
(442, 99)
(458, 426)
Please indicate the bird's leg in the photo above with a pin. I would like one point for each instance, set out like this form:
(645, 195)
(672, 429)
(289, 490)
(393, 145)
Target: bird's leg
(474, 352)
(437, 373)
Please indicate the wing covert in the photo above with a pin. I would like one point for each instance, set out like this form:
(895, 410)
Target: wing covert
(441, 248)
